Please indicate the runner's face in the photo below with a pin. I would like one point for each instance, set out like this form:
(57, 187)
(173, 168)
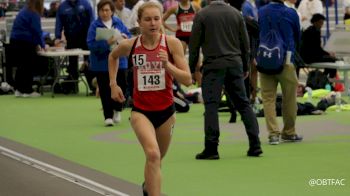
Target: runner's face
(151, 20)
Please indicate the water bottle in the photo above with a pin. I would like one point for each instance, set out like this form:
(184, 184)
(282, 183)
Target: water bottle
(309, 94)
(256, 107)
(338, 101)
(328, 87)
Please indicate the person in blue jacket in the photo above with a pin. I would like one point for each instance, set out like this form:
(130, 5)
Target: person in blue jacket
(276, 16)
(250, 10)
(73, 18)
(100, 50)
(26, 40)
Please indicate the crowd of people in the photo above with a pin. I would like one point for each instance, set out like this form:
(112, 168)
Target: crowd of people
(140, 61)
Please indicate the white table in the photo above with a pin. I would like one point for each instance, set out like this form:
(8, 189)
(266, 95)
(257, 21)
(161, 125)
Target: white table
(340, 66)
(60, 56)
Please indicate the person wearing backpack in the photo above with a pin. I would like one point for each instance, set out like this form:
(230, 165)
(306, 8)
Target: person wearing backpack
(279, 31)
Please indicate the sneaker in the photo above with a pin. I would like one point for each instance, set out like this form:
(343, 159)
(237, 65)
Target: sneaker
(109, 122)
(33, 94)
(207, 155)
(292, 138)
(274, 140)
(254, 152)
(117, 117)
(18, 94)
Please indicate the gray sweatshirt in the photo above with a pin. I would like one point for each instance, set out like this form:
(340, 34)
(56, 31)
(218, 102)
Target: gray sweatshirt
(220, 31)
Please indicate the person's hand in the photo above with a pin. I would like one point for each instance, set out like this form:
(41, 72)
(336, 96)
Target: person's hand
(163, 55)
(117, 93)
(38, 48)
(112, 40)
(332, 54)
(46, 47)
(254, 62)
(193, 78)
(59, 43)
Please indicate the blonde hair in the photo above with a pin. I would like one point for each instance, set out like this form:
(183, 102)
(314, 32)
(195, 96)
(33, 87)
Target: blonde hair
(151, 4)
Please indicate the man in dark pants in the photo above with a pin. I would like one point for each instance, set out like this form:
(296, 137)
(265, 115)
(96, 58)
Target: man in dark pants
(220, 31)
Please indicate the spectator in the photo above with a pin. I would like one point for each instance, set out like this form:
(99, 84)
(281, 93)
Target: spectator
(284, 20)
(307, 8)
(253, 31)
(100, 50)
(26, 40)
(73, 19)
(346, 7)
(122, 12)
(311, 48)
(224, 55)
(51, 13)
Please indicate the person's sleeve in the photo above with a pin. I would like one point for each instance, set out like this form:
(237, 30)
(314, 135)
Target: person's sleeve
(37, 31)
(301, 8)
(195, 42)
(247, 11)
(245, 47)
(296, 29)
(319, 7)
(58, 25)
(124, 29)
(97, 47)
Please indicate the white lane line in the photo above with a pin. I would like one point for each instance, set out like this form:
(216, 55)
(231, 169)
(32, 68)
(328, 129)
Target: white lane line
(71, 177)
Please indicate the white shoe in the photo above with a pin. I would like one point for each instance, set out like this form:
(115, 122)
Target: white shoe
(117, 117)
(18, 94)
(109, 122)
(33, 94)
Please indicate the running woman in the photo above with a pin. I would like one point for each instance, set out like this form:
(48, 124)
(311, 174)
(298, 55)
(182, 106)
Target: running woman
(157, 59)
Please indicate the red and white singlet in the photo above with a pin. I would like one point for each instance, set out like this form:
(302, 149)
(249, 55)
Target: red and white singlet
(184, 19)
(152, 84)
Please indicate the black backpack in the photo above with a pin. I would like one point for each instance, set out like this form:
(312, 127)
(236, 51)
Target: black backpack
(317, 80)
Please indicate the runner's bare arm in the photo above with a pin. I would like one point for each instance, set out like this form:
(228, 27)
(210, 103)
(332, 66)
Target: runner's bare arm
(123, 49)
(166, 16)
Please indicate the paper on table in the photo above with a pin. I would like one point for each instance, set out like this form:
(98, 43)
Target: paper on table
(105, 34)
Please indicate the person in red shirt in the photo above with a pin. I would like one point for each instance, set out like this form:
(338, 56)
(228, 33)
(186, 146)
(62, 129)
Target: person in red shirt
(157, 60)
(184, 12)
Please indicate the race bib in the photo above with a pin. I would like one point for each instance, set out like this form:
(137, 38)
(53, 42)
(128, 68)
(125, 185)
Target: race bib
(139, 59)
(186, 26)
(150, 79)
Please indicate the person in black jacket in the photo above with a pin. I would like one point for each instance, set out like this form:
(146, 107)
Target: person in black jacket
(223, 65)
(311, 47)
